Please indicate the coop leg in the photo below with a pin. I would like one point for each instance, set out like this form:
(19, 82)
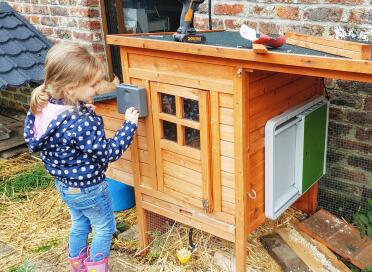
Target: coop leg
(308, 203)
(241, 254)
(142, 229)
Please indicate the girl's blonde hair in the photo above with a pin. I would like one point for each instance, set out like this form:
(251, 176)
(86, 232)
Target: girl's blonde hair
(66, 65)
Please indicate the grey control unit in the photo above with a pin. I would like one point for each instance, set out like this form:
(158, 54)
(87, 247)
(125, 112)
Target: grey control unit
(132, 96)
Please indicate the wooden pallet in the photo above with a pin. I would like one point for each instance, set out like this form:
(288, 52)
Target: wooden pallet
(353, 50)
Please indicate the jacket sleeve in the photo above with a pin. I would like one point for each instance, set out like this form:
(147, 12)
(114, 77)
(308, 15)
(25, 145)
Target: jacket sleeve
(89, 137)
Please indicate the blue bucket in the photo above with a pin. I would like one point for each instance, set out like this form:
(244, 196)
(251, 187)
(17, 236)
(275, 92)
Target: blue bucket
(122, 195)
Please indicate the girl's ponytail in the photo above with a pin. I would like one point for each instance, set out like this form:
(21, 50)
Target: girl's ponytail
(39, 98)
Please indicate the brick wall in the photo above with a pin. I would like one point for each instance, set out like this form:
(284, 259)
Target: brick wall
(71, 20)
(68, 20)
(349, 175)
(16, 98)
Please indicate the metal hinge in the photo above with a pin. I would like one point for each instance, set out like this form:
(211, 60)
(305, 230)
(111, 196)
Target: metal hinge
(239, 72)
(206, 205)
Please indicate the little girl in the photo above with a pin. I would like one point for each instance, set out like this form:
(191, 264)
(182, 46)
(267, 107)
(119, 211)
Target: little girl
(70, 137)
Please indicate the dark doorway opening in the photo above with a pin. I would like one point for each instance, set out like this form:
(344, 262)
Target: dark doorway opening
(139, 16)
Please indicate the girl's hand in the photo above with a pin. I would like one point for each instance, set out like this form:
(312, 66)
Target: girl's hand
(132, 115)
(90, 106)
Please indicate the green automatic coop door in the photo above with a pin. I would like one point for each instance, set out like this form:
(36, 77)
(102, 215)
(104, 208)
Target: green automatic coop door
(295, 154)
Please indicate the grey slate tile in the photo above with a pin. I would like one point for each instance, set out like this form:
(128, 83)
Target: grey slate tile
(22, 49)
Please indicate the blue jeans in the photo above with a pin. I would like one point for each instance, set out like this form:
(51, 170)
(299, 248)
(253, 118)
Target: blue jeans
(89, 207)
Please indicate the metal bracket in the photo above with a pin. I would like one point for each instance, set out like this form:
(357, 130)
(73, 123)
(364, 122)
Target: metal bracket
(205, 205)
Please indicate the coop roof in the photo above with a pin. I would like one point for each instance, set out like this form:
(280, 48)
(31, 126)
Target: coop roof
(22, 49)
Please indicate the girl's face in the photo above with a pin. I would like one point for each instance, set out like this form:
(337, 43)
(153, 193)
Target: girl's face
(86, 92)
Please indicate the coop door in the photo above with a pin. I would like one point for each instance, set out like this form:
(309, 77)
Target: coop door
(181, 131)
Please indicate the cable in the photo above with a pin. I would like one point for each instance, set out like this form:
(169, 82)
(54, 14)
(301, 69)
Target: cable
(210, 13)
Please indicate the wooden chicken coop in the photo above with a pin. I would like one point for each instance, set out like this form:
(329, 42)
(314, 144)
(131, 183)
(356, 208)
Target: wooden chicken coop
(199, 156)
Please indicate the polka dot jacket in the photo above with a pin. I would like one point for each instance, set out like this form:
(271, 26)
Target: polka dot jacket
(74, 148)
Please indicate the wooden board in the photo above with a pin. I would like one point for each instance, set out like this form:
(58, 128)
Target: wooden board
(314, 257)
(339, 236)
(260, 49)
(283, 254)
(348, 49)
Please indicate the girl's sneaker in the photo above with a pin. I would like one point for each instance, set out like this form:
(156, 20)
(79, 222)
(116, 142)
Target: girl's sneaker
(96, 266)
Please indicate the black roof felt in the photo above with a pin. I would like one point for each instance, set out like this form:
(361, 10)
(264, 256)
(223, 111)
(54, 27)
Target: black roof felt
(22, 50)
(233, 39)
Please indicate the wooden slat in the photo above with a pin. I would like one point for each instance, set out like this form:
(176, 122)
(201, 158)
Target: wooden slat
(157, 134)
(227, 149)
(271, 99)
(343, 48)
(228, 195)
(226, 116)
(228, 179)
(316, 63)
(270, 83)
(183, 173)
(119, 175)
(216, 151)
(180, 72)
(227, 133)
(259, 49)
(241, 166)
(184, 122)
(109, 110)
(148, 156)
(205, 149)
(181, 160)
(226, 101)
(228, 164)
(185, 219)
(228, 207)
(183, 187)
(181, 150)
(220, 216)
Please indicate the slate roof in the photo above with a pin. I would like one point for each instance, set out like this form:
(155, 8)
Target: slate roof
(22, 49)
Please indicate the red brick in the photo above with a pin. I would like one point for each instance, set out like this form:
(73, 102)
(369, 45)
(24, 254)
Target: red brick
(84, 36)
(308, 29)
(226, 9)
(236, 24)
(203, 23)
(91, 3)
(63, 34)
(35, 20)
(308, 1)
(357, 117)
(41, 10)
(350, 175)
(364, 134)
(91, 25)
(368, 104)
(268, 28)
(346, 2)
(360, 16)
(323, 14)
(48, 31)
(262, 10)
(361, 162)
(84, 12)
(59, 11)
(26, 9)
(97, 48)
(287, 12)
(336, 114)
(350, 145)
(49, 21)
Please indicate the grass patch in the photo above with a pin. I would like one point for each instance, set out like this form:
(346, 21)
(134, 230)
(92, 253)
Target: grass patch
(46, 247)
(35, 178)
(25, 267)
